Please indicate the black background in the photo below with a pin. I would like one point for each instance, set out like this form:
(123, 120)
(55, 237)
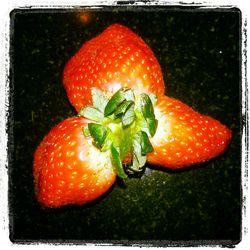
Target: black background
(199, 52)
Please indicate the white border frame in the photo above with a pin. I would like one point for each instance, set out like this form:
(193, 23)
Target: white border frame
(6, 8)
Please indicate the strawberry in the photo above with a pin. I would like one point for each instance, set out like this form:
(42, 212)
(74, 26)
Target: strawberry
(116, 58)
(79, 159)
(185, 137)
(68, 169)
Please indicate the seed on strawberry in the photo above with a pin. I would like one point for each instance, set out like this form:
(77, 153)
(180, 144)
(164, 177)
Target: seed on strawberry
(68, 169)
(114, 59)
(184, 137)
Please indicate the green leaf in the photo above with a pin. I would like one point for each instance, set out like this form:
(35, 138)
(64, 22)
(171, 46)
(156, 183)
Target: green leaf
(139, 160)
(144, 126)
(129, 95)
(123, 107)
(99, 99)
(124, 94)
(153, 98)
(116, 161)
(146, 146)
(129, 116)
(148, 113)
(107, 143)
(114, 102)
(138, 163)
(152, 125)
(98, 133)
(85, 131)
(91, 113)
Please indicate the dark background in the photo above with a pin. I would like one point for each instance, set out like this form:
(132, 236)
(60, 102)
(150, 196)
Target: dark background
(199, 52)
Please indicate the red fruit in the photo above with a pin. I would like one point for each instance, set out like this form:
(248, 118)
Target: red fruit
(185, 137)
(116, 58)
(68, 169)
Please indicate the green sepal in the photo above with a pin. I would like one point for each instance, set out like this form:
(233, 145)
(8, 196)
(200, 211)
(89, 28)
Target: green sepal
(116, 161)
(139, 160)
(114, 102)
(148, 113)
(111, 128)
(153, 98)
(146, 146)
(99, 134)
(123, 107)
(117, 99)
(129, 116)
(91, 113)
(99, 100)
(129, 94)
(85, 131)
(152, 125)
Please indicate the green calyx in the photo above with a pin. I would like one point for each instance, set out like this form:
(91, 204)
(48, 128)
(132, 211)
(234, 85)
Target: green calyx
(123, 126)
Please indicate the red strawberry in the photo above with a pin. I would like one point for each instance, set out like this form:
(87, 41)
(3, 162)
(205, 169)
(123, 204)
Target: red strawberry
(78, 160)
(116, 58)
(185, 137)
(68, 169)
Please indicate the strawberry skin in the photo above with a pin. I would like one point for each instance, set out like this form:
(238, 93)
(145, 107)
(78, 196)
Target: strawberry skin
(184, 137)
(68, 169)
(116, 58)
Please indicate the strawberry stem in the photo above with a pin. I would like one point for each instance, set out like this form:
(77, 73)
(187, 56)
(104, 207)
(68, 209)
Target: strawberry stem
(122, 125)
